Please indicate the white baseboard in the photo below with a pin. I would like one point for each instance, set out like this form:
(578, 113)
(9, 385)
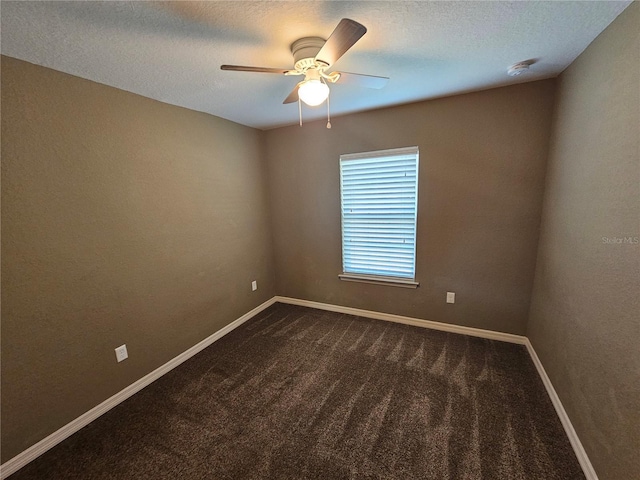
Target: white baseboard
(58, 436)
(417, 322)
(579, 450)
(33, 452)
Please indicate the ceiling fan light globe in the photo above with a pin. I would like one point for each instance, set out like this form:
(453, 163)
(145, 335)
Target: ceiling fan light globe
(313, 92)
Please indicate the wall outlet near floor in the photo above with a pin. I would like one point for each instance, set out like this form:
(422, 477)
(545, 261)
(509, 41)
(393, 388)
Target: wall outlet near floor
(121, 353)
(254, 285)
(451, 297)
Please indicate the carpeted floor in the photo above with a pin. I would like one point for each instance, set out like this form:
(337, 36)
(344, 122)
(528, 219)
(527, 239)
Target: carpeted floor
(297, 393)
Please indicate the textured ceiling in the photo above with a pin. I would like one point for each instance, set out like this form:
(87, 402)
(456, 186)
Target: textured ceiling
(172, 51)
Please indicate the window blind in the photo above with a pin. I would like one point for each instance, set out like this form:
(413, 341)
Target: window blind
(379, 192)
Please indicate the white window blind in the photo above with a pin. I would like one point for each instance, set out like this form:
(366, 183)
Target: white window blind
(379, 193)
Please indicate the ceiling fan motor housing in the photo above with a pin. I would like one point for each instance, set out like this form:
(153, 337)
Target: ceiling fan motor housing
(304, 53)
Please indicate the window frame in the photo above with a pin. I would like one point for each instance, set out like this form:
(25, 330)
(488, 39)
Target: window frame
(389, 280)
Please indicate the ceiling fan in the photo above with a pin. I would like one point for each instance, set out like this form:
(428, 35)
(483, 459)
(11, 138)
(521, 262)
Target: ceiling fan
(312, 58)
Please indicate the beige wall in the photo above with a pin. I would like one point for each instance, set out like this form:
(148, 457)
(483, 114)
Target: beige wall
(124, 220)
(585, 312)
(482, 165)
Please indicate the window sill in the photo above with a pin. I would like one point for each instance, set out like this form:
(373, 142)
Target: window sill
(387, 281)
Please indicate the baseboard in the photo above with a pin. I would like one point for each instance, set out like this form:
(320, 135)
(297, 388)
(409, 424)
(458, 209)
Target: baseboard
(20, 460)
(33, 452)
(417, 322)
(579, 450)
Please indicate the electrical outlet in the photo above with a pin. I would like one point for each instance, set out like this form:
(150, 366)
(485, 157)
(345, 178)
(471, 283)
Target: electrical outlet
(121, 353)
(451, 297)
(254, 285)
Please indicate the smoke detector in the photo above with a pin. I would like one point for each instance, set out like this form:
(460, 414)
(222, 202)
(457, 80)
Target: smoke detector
(517, 69)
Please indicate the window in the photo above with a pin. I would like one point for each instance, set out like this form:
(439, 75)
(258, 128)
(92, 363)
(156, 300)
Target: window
(379, 201)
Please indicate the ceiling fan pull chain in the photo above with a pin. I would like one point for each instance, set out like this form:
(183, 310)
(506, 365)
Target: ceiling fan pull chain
(328, 112)
(300, 110)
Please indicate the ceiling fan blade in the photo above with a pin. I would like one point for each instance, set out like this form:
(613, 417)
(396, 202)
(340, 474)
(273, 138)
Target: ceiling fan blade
(293, 96)
(345, 35)
(368, 81)
(240, 68)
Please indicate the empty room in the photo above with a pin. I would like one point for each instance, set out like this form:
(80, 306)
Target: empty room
(320, 240)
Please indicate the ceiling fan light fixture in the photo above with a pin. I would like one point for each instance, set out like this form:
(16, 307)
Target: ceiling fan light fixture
(313, 92)
(312, 57)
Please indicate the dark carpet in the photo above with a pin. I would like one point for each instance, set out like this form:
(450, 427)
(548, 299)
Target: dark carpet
(298, 393)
